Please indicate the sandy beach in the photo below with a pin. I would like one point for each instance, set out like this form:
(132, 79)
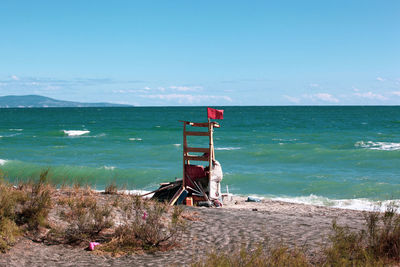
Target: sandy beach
(235, 225)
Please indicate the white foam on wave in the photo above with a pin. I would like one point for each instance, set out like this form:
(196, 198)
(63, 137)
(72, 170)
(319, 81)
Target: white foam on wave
(227, 148)
(109, 167)
(387, 146)
(16, 130)
(12, 135)
(99, 135)
(352, 204)
(177, 144)
(75, 132)
(3, 161)
(135, 139)
(284, 140)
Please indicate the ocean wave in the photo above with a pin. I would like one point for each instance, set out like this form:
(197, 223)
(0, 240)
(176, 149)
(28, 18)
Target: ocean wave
(100, 135)
(135, 139)
(10, 135)
(352, 204)
(75, 132)
(227, 148)
(109, 167)
(285, 140)
(3, 161)
(177, 145)
(16, 130)
(387, 146)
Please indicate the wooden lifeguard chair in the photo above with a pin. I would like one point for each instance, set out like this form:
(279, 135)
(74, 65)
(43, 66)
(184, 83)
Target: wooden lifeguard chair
(207, 156)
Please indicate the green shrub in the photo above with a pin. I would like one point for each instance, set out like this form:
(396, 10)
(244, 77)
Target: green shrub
(148, 226)
(259, 257)
(36, 204)
(9, 232)
(85, 218)
(376, 245)
(111, 189)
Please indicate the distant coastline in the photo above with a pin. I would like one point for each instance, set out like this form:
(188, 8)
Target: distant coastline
(38, 101)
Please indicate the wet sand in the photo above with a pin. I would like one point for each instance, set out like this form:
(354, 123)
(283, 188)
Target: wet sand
(237, 224)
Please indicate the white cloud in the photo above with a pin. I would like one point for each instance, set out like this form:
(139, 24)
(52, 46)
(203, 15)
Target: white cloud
(14, 77)
(129, 91)
(119, 91)
(396, 93)
(314, 85)
(186, 88)
(292, 99)
(187, 99)
(323, 97)
(380, 79)
(371, 95)
(327, 97)
(147, 88)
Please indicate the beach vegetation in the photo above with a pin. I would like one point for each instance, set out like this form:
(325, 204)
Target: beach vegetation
(148, 226)
(378, 244)
(111, 189)
(23, 208)
(278, 255)
(9, 231)
(36, 202)
(84, 216)
(80, 215)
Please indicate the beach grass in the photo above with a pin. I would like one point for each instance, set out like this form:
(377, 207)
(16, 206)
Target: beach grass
(111, 189)
(84, 216)
(148, 226)
(261, 256)
(23, 209)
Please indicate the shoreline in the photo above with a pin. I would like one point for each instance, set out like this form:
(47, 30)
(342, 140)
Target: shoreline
(356, 204)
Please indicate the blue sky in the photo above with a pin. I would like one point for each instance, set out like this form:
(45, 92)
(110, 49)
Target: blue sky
(152, 53)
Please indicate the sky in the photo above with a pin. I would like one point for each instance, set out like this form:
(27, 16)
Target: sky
(202, 53)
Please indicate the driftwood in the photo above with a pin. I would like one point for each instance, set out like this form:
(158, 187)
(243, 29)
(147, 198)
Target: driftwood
(159, 189)
(167, 191)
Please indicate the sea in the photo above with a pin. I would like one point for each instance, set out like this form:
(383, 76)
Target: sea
(338, 156)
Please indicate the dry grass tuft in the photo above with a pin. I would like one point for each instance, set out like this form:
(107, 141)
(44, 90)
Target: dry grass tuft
(111, 189)
(148, 226)
(86, 219)
(9, 233)
(23, 208)
(37, 203)
(377, 245)
(260, 257)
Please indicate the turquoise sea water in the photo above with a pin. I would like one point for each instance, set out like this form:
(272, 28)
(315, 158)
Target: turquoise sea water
(324, 155)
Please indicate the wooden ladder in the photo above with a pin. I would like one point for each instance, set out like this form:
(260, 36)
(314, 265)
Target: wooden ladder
(187, 149)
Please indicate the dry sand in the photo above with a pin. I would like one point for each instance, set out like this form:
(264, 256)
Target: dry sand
(237, 224)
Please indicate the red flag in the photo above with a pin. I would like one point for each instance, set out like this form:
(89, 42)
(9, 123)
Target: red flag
(215, 113)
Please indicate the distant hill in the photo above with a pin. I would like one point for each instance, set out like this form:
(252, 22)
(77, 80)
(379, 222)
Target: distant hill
(37, 101)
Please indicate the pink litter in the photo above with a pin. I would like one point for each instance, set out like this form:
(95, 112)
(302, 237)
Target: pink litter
(92, 245)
